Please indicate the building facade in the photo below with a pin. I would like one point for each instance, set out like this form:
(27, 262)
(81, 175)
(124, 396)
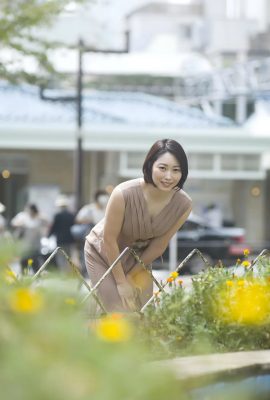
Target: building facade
(38, 143)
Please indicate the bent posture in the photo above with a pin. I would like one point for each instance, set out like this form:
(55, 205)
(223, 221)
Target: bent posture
(144, 214)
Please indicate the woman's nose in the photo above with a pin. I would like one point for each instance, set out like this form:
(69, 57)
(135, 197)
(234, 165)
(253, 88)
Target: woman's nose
(168, 174)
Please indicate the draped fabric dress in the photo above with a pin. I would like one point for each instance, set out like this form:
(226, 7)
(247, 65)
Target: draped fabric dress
(138, 229)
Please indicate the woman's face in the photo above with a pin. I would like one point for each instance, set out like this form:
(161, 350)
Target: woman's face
(166, 172)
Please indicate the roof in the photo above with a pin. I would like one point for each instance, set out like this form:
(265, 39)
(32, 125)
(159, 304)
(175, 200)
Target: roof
(24, 105)
(172, 9)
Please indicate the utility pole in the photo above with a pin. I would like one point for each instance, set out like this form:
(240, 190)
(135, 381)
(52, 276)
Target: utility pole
(78, 99)
(78, 175)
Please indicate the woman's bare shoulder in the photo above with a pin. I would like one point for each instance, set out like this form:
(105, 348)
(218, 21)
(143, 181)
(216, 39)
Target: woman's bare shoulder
(184, 195)
(128, 184)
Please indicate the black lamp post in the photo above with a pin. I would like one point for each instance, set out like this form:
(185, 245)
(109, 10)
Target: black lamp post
(78, 99)
(79, 150)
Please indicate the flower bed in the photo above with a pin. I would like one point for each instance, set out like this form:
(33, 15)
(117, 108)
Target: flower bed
(51, 349)
(225, 310)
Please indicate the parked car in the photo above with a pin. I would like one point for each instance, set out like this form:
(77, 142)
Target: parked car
(224, 243)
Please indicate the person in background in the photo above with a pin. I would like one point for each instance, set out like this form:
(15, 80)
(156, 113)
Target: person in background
(92, 213)
(3, 223)
(29, 226)
(143, 214)
(213, 216)
(60, 228)
(89, 215)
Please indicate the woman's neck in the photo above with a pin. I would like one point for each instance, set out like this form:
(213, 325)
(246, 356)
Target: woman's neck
(154, 193)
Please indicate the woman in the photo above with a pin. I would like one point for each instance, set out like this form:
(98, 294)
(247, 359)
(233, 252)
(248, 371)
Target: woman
(143, 214)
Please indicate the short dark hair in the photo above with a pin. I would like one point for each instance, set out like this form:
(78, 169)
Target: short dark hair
(100, 192)
(159, 148)
(33, 208)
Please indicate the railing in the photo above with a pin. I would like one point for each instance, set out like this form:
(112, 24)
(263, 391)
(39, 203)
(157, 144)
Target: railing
(92, 291)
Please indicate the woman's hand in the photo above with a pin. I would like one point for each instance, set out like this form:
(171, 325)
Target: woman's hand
(127, 295)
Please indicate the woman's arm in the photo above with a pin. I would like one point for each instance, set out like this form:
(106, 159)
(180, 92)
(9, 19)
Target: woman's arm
(112, 227)
(159, 244)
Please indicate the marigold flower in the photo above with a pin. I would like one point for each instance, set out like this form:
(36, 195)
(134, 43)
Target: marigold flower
(113, 329)
(170, 279)
(116, 315)
(246, 264)
(174, 274)
(241, 283)
(180, 281)
(246, 252)
(9, 276)
(25, 300)
(70, 301)
(249, 306)
(229, 283)
(29, 262)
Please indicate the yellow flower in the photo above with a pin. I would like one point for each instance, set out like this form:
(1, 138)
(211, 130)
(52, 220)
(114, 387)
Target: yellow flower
(70, 301)
(174, 274)
(241, 283)
(249, 306)
(246, 264)
(25, 300)
(246, 252)
(29, 262)
(229, 283)
(179, 281)
(10, 276)
(113, 328)
(238, 261)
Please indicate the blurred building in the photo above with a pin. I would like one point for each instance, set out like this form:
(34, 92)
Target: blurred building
(212, 54)
(38, 141)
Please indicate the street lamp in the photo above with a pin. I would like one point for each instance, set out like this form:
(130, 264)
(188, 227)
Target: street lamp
(78, 166)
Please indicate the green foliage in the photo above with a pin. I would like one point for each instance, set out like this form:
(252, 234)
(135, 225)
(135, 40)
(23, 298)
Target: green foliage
(18, 22)
(207, 318)
(50, 350)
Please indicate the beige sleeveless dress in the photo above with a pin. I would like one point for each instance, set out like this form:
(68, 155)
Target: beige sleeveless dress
(138, 229)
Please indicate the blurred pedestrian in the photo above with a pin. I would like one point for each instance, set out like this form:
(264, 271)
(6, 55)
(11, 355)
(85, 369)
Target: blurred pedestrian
(213, 215)
(87, 217)
(60, 228)
(92, 213)
(3, 223)
(29, 226)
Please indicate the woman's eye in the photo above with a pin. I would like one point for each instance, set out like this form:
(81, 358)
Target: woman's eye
(162, 168)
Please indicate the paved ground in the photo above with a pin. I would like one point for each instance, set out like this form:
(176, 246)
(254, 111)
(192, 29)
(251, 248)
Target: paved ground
(189, 367)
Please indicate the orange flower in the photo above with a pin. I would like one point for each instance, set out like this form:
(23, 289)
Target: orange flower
(170, 279)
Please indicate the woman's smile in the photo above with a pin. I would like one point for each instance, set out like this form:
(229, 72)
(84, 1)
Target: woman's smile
(166, 172)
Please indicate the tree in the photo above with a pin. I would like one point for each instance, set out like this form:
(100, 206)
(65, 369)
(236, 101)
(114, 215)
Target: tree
(19, 40)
